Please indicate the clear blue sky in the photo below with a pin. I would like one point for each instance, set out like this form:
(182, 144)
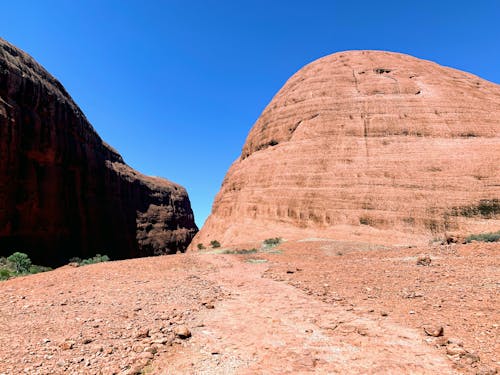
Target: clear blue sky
(175, 86)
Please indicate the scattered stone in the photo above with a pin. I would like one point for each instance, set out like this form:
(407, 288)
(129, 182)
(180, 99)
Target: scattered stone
(471, 358)
(87, 341)
(485, 370)
(146, 355)
(67, 345)
(424, 261)
(434, 331)
(384, 313)
(441, 341)
(182, 331)
(411, 294)
(455, 341)
(208, 304)
(142, 334)
(453, 350)
(137, 348)
(151, 349)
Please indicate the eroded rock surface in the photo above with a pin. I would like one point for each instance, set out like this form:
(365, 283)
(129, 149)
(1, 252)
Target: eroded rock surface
(63, 191)
(366, 144)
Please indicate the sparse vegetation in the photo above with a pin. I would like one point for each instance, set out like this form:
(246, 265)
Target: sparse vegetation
(200, 246)
(272, 242)
(484, 237)
(19, 264)
(98, 258)
(215, 244)
(241, 251)
(486, 208)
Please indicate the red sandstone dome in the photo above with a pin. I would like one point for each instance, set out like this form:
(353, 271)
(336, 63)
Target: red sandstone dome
(370, 146)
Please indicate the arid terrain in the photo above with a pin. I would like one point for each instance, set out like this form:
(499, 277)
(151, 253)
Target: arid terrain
(346, 307)
(375, 168)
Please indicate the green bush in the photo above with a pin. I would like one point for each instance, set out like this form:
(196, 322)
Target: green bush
(200, 246)
(75, 260)
(20, 262)
(241, 251)
(271, 242)
(215, 244)
(5, 274)
(484, 237)
(38, 269)
(98, 258)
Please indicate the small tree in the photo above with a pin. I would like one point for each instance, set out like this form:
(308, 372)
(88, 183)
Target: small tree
(215, 243)
(20, 261)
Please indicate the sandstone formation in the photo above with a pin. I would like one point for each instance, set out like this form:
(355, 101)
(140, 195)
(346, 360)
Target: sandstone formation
(63, 191)
(366, 145)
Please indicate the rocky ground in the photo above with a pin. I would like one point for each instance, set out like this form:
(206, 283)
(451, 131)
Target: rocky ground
(343, 308)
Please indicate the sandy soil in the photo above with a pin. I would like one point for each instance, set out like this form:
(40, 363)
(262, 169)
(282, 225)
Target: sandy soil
(313, 306)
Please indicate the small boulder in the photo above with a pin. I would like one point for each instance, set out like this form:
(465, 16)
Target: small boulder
(424, 261)
(182, 331)
(67, 345)
(434, 331)
(454, 349)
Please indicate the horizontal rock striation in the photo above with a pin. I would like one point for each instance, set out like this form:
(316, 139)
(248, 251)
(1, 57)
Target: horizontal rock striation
(366, 145)
(63, 191)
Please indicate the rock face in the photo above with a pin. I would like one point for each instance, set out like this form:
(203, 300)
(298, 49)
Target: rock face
(366, 145)
(63, 191)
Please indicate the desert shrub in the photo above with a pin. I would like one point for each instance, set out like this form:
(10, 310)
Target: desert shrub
(37, 269)
(75, 260)
(271, 242)
(241, 251)
(484, 237)
(486, 208)
(5, 274)
(200, 246)
(98, 258)
(215, 244)
(20, 262)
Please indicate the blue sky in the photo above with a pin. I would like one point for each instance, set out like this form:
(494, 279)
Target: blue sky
(175, 86)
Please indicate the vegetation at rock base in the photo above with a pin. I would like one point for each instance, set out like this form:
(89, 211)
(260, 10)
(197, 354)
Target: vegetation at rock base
(240, 251)
(484, 237)
(215, 244)
(271, 242)
(200, 246)
(19, 264)
(98, 258)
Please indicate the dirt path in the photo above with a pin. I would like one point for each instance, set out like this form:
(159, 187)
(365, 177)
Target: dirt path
(269, 327)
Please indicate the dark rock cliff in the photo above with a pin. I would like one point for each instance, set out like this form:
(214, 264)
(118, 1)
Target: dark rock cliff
(63, 191)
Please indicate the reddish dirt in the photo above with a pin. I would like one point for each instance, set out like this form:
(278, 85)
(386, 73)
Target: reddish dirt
(343, 308)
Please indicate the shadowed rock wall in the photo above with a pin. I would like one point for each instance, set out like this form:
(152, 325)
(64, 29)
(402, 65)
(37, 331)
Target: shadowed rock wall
(63, 191)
